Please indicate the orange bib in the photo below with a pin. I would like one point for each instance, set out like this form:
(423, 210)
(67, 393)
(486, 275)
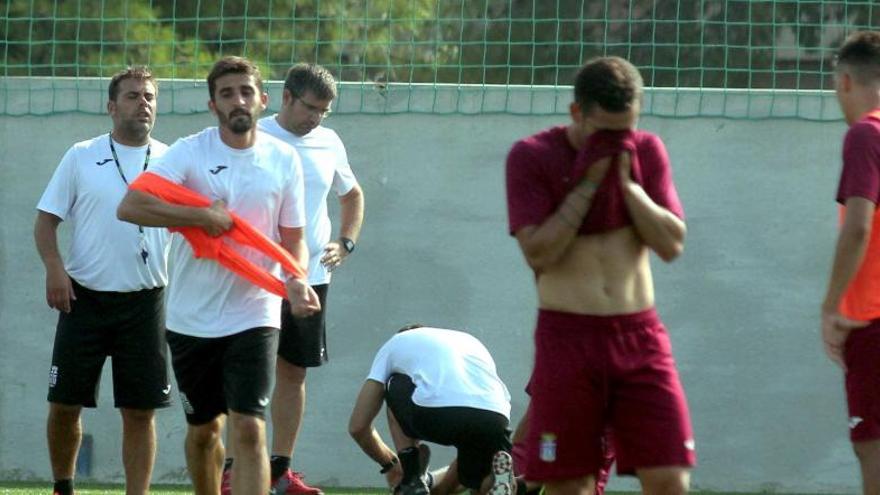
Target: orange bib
(205, 246)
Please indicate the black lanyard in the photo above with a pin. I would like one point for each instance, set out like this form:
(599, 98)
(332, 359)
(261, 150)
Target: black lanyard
(144, 252)
(116, 158)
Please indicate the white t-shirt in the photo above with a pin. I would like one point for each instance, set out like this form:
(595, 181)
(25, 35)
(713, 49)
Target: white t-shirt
(325, 166)
(263, 185)
(85, 190)
(449, 369)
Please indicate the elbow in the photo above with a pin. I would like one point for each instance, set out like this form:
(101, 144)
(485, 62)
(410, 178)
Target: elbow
(674, 246)
(670, 252)
(859, 234)
(357, 431)
(358, 428)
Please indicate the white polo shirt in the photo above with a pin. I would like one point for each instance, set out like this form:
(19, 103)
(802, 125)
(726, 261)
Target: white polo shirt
(325, 166)
(85, 190)
(449, 369)
(263, 185)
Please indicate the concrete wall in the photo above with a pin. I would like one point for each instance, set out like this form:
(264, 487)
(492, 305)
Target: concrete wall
(741, 303)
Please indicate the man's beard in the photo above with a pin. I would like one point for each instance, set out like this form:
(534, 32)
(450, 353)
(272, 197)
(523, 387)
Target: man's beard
(135, 129)
(239, 125)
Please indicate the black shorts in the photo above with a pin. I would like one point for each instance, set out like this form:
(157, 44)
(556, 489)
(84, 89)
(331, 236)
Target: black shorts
(477, 434)
(129, 327)
(303, 341)
(231, 373)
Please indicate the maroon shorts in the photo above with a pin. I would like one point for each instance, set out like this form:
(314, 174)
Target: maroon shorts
(862, 358)
(593, 372)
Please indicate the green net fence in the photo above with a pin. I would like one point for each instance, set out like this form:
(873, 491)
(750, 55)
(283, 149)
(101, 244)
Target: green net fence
(728, 58)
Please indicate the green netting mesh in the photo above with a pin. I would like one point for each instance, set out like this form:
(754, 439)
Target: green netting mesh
(732, 58)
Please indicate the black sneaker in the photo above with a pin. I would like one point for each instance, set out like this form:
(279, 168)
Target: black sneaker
(414, 461)
(413, 487)
(424, 462)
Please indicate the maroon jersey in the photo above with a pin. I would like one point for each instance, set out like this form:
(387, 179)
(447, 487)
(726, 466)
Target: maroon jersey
(860, 176)
(543, 168)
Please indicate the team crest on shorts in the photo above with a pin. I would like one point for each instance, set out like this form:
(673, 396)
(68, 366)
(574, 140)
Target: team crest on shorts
(548, 447)
(53, 376)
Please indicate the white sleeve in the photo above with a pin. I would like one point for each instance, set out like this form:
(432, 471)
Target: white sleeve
(60, 193)
(174, 163)
(381, 368)
(293, 209)
(343, 177)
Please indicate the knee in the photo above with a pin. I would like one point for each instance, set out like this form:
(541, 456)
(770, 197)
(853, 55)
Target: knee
(63, 413)
(579, 486)
(867, 452)
(671, 482)
(248, 432)
(204, 436)
(137, 417)
(289, 374)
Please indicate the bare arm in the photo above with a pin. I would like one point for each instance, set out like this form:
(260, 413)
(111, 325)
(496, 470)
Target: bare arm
(145, 209)
(658, 227)
(543, 245)
(351, 213)
(360, 427)
(59, 290)
(303, 299)
(851, 246)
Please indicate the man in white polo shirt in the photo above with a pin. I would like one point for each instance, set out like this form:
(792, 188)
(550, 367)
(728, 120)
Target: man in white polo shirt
(308, 93)
(440, 386)
(109, 288)
(222, 330)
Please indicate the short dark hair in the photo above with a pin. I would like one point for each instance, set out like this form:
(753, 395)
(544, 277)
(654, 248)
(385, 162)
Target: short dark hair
(610, 82)
(135, 72)
(410, 326)
(233, 65)
(861, 52)
(309, 77)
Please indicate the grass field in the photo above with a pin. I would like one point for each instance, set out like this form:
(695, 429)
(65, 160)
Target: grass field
(108, 489)
(29, 488)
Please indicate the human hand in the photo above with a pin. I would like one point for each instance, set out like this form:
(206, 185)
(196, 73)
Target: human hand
(835, 330)
(596, 172)
(217, 220)
(333, 256)
(624, 168)
(394, 476)
(303, 299)
(59, 289)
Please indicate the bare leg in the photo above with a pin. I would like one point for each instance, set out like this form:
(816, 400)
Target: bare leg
(579, 486)
(446, 480)
(64, 434)
(138, 449)
(401, 441)
(671, 480)
(869, 460)
(288, 405)
(204, 456)
(250, 473)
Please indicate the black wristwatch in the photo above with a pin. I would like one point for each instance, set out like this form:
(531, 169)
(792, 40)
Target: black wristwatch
(388, 465)
(347, 243)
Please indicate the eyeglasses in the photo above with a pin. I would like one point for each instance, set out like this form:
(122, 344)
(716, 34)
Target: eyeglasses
(314, 109)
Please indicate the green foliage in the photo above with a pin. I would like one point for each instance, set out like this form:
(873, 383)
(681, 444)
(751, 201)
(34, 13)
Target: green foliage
(727, 44)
